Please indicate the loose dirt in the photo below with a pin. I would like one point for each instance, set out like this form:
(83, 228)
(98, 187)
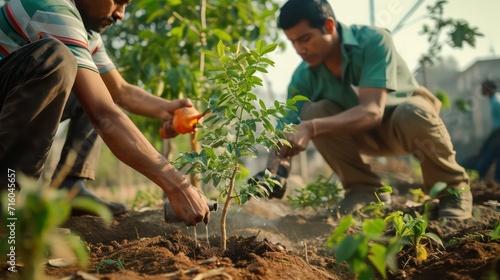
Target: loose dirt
(270, 240)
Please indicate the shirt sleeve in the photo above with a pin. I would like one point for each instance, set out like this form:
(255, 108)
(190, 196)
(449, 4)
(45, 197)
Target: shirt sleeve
(297, 86)
(60, 20)
(100, 55)
(379, 68)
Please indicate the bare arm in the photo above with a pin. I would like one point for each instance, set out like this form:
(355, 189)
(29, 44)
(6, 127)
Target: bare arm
(126, 141)
(138, 101)
(362, 117)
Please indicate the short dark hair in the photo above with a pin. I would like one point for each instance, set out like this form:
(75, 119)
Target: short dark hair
(489, 84)
(314, 11)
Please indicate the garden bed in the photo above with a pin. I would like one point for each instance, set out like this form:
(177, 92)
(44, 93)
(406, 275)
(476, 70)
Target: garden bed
(269, 240)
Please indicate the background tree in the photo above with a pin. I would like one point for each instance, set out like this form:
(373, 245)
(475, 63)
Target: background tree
(158, 44)
(453, 32)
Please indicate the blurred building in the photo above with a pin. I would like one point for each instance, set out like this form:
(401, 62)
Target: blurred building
(469, 129)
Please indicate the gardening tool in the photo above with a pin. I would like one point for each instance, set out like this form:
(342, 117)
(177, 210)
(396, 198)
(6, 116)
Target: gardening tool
(171, 217)
(280, 169)
(185, 120)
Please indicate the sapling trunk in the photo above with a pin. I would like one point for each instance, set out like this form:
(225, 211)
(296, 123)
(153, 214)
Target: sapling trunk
(33, 268)
(225, 209)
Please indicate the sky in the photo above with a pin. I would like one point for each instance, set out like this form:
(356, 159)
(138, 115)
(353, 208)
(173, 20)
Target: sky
(410, 44)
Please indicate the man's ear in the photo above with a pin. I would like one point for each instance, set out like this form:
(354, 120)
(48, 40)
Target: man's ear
(330, 25)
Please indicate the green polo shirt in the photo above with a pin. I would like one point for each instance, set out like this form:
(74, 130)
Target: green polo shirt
(369, 59)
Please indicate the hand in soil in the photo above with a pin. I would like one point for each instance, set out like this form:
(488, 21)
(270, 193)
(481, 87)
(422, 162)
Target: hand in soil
(190, 205)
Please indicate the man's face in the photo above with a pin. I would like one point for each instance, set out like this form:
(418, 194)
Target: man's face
(312, 44)
(99, 14)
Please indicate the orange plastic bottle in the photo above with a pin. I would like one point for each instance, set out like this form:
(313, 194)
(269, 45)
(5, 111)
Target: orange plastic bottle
(185, 120)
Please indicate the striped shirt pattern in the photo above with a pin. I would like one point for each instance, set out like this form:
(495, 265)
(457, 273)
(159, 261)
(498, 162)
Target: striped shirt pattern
(26, 21)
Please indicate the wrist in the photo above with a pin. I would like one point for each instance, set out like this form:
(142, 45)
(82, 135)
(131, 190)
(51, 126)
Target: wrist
(173, 180)
(313, 129)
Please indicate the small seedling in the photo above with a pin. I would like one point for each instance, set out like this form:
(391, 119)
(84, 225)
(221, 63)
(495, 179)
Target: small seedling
(323, 193)
(377, 208)
(146, 198)
(108, 262)
(412, 230)
(417, 195)
(434, 191)
(238, 121)
(37, 213)
(366, 251)
(458, 193)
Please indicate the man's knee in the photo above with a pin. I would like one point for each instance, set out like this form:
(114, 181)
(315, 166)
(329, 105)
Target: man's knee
(415, 114)
(56, 59)
(320, 109)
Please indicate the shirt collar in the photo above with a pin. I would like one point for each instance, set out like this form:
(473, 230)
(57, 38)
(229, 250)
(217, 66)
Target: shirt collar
(347, 37)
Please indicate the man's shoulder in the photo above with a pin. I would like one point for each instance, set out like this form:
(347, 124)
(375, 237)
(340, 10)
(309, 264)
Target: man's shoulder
(51, 6)
(363, 35)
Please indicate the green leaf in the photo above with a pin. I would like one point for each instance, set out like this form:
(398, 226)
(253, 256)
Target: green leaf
(339, 231)
(300, 98)
(90, 205)
(377, 258)
(374, 227)
(435, 238)
(268, 49)
(156, 14)
(261, 69)
(220, 49)
(268, 61)
(262, 104)
(385, 189)
(347, 247)
(222, 35)
(260, 46)
(212, 54)
(437, 188)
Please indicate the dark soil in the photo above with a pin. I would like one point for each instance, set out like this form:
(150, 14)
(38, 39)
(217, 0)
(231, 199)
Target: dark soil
(270, 240)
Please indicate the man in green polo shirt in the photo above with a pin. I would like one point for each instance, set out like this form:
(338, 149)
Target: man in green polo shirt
(363, 100)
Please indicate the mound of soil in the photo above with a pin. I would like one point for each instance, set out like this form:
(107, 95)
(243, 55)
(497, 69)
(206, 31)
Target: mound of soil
(270, 240)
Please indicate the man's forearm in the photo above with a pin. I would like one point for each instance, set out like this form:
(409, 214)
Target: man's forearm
(130, 146)
(138, 101)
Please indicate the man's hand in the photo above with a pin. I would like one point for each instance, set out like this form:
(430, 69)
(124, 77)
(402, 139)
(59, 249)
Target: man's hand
(299, 139)
(167, 125)
(173, 105)
(190, 205)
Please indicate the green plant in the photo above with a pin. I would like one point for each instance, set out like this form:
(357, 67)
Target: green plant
(377, 208)
(321, 193)
(418, 195)
(413, 230)
(33, 216)
(458, 193)
(459, 32)
(145, 198)
(473, 174)
(463, 106)
(444, 97)
(107, 262)
(433, 192)
(367, 249)
(495, 233)
(235, 125)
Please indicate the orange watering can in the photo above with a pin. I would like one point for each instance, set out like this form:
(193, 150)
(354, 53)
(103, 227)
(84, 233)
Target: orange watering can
(185, 120)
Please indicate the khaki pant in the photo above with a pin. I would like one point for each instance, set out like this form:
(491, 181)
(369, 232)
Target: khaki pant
(413, 127)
